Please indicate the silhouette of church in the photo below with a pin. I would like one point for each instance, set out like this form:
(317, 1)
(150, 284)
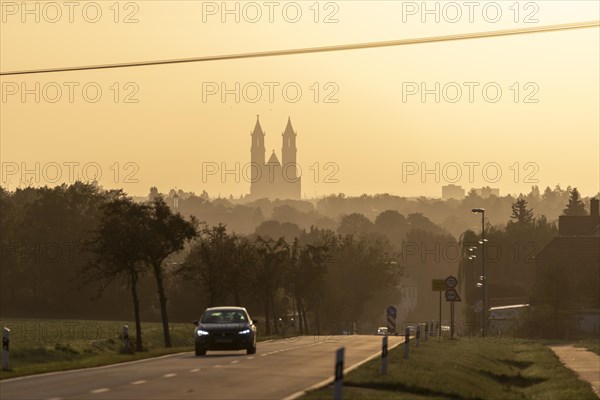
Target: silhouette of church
(273, 179)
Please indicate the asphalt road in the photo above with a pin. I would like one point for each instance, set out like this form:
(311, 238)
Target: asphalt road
(278, 370)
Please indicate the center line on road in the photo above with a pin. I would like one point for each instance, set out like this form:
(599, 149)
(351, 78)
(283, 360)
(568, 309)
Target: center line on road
(235, 362)
(217, 366)
(195, 370)
(169, 375)
(249, 358)
(101, 390)
(138, 382)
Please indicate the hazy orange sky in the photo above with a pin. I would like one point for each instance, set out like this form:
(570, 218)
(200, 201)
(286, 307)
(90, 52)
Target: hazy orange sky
(373, 131)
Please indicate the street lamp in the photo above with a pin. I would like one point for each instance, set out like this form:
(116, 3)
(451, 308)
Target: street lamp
(483, 277)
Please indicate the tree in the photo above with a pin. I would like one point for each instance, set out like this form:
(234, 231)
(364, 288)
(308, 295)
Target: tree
(216, 263)
(165, 233)
(117, 249)
(272, 256)
(520, 213)
(575, 205)
(355, 223)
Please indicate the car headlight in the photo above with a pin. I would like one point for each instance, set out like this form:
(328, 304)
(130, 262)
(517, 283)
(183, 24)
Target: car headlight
(244, 332)
(200, 332)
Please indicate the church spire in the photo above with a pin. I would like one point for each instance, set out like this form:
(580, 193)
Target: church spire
(257, 128)
(257, 149)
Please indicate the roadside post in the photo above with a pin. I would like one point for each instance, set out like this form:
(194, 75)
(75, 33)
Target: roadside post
(406, 342)
(5, 347)
(431, 331)
(126, 344)
(418, 335)
(426, 330)
(384, 355)
(439, 285)
(338, 382)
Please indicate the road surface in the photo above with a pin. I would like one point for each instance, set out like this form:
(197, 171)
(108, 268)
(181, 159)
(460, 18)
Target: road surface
(278, 369)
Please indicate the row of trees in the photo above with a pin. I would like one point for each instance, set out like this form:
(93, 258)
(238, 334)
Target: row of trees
(133, 239)
(337, 276)
(452, 215)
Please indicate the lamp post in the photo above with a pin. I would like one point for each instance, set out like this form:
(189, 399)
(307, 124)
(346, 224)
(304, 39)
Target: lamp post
(483, 280)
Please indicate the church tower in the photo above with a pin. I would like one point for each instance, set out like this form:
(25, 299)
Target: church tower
(257, 159)
(257, 150)
(288, 152)
(289, 166)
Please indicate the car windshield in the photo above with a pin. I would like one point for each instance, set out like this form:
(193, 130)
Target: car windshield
(224, 317)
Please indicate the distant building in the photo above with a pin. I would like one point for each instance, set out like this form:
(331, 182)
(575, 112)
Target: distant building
(576, 250)
(487, 191)
(453, 192)
(273, 179)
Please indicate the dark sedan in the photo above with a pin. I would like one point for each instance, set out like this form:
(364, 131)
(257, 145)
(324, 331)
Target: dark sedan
(225, 328)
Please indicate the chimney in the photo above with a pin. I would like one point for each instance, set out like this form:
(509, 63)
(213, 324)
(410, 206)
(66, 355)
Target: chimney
(594, 206)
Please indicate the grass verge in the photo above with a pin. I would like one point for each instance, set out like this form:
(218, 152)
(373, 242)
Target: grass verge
(592, 344)
(49, 345)
(477, 369)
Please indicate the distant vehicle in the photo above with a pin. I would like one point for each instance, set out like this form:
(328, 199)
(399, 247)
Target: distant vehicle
(382, 331)
(412, 329)
(509, 318)
(225, 328)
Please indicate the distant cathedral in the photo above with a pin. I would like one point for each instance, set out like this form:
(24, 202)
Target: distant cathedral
(272, 179)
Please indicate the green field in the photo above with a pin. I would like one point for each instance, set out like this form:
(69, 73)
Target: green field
(463, 369)
(46, 345)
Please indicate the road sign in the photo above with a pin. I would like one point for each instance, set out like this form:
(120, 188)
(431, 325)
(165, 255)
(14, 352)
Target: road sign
(438, 285)
(391, 319)
(391, 310)
(451, 282)
(452, 295)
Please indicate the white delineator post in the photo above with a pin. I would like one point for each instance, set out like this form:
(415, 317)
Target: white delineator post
(338, 382)
(126, 343)
(5, 347)
(384, 355)
(406, 342)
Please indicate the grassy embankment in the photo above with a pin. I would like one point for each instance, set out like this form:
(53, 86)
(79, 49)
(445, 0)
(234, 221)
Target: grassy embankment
(478, 369)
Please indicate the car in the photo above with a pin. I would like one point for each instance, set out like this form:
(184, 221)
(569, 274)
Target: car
(225, 328)
(382, 331)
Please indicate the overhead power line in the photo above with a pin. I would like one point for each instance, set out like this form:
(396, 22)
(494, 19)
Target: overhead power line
(323, 49)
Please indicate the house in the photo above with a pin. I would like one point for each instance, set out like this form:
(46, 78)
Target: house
(568, 270)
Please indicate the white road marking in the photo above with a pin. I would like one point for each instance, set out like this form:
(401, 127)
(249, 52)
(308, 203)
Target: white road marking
(55, 398)
(101, 390)
(235, 362)
(217, 366)
(195, 370)
(266, 354)
(138, 382)
(249, 358)
(169, 375)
